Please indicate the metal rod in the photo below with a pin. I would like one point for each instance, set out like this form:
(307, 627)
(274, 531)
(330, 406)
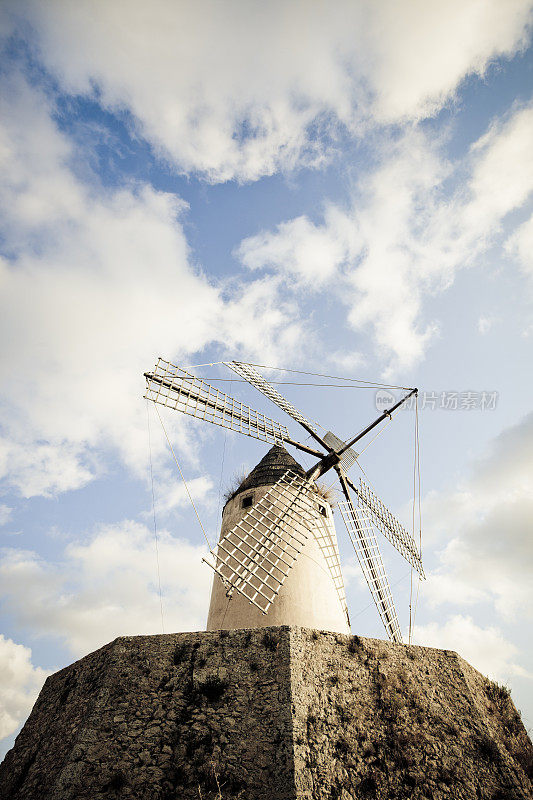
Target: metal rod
(315, 436)
(333, 458)
(370, 427)
(304, 447)
(351, 484)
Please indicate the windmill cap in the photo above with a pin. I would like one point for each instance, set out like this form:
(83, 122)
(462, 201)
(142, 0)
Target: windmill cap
(269, 470)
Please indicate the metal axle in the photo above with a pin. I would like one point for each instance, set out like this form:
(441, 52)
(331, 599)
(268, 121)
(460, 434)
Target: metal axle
(332, 459)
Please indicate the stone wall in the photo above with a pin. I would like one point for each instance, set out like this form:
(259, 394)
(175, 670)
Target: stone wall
(158, 717)
(374, 719)
(270, 714)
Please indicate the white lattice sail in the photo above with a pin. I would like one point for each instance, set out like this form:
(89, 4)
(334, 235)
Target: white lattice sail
(359, 527)
(256, 555)
(250, 374)
(327, 541)
(390, 527)
(175, 388)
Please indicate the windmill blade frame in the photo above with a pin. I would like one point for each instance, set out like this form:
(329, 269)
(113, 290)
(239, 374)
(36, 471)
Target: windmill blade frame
(255, 379)
(256, 555)
(327, 541)
(173, 387)
(385, 521)
(329, 440)
(359, 527)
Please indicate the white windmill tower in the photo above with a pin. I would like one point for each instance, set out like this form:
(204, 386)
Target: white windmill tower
(297, 535)
(277, 559)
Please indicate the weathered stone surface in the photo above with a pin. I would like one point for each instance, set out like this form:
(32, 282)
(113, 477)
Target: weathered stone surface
(373, 719)
(270, 714)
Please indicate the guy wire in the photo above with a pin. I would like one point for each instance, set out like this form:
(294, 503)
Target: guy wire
(419, 500)
(183, 479)
(155, 523)
(413, 528)
(371, 384)
(222, 465)
(334, 377)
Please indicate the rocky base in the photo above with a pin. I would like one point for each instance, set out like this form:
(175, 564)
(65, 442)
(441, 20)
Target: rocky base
(269, 714)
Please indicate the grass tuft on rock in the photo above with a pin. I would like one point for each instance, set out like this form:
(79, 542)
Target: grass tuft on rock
(212, 688)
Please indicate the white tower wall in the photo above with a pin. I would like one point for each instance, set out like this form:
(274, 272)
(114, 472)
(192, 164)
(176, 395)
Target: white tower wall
(308, 597)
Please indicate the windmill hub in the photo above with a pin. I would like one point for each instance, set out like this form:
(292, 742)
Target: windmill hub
(323, 466)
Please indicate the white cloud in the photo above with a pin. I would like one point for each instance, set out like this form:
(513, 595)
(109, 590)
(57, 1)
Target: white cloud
(311, 253)
(484, 324)
(425, 49)
(347, 361)
(520, 246)
(172, 494)
(20, 683)
(42, 469)
(502, 177)
(5, 514)
(107, 586)
(487, 521)
(239, 91)
(486, 649)
(99, 282)
(106, 278)
(405, 236)
(259, 318)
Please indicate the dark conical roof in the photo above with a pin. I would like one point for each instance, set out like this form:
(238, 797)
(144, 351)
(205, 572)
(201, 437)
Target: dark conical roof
(269, 470)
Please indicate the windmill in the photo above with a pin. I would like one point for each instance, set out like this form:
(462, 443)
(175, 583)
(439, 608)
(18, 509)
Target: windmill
(255, 555)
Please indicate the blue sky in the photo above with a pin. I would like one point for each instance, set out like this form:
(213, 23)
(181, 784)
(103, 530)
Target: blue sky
(336, 188)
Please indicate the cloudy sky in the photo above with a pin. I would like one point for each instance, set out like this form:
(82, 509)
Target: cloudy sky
(339, 188)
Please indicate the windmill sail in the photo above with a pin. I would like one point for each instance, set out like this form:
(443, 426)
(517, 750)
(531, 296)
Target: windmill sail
(256, 555)
(327, 541)
(250, 374)
(173, 387)
(253, 377)
(364, 541)
(390, 527)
